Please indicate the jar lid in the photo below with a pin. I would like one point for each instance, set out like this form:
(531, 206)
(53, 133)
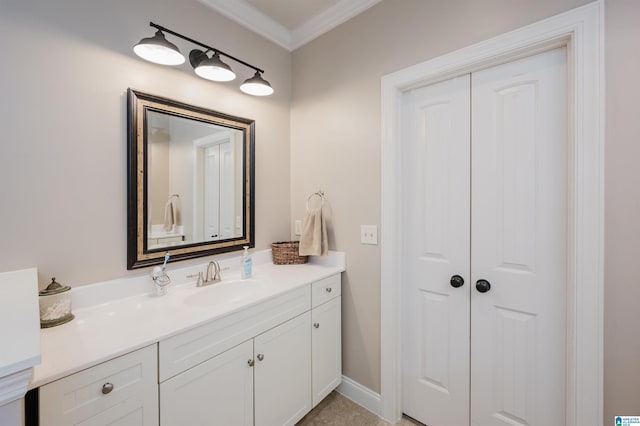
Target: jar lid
(54, 288)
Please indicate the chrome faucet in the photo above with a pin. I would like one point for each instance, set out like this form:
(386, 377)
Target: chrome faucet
(213, 273)
(212, 276)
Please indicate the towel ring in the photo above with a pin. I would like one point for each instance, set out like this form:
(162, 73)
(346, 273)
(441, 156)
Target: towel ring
(316, 194)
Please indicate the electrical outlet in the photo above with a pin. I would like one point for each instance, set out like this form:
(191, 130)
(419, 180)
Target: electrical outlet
(298, 227)
(369, 234)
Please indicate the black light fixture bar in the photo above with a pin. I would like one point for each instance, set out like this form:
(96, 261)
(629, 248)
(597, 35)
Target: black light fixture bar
(220, 52)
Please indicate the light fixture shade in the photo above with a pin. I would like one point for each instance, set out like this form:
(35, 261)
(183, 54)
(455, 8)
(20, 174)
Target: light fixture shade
(256, 86)
(213, 68)
(158, 50)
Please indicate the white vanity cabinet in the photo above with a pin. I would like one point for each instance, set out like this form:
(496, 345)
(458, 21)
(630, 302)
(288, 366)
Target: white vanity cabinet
(326, 337)
(251, 366)
(267, 378)
(122, 391)
(263, 364)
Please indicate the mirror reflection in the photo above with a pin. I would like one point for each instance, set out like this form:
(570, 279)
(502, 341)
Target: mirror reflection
(195, 181)
(191, 181)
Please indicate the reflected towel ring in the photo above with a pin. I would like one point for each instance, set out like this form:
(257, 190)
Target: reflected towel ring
(316, 194)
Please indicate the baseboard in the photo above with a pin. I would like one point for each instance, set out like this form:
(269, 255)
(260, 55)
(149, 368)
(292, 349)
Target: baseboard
(361, 395)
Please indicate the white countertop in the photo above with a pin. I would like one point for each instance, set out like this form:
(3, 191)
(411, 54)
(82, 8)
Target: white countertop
(105, 327)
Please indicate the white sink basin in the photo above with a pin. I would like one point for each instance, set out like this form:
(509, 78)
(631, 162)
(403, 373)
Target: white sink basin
(226, 292)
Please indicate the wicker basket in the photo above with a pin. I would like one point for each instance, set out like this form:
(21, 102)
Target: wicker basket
(287, 253)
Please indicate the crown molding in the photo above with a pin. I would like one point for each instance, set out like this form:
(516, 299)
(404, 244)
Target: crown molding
(328, 20)
(251, 18)
(248, 16)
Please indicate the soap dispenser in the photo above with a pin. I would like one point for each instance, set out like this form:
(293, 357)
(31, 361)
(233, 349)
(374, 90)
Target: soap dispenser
(246, 263)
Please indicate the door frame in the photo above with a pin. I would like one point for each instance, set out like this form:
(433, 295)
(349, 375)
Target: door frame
(581, 30)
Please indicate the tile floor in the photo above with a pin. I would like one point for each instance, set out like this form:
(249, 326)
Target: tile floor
(337, 410)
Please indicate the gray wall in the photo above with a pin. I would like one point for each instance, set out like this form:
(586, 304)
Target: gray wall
(63, 78)
(335, 145)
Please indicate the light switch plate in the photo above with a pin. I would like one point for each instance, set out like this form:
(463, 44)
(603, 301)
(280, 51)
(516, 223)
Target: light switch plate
(298, 227)
(369, 234)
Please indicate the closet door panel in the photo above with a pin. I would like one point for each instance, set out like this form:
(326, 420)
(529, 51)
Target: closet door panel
(519, 232)
(436, 247)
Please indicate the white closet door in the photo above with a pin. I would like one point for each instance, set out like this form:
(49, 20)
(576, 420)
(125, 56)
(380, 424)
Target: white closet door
(519, 234)
(436, 247)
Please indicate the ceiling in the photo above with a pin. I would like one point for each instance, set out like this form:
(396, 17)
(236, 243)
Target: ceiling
(290, 23)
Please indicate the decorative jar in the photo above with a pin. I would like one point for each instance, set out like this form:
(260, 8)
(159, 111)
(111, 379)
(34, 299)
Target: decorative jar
(55, 305)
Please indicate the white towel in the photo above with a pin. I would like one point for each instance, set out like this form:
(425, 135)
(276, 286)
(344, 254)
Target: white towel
(313, 240)
(169, 215)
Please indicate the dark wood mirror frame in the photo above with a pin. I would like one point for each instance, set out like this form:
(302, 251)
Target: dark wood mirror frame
(138, 255)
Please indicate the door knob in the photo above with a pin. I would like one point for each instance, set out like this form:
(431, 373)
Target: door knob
(260, 357)
(483, 286)
(456, 281)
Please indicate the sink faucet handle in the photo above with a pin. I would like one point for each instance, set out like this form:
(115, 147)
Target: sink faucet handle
(216, 275)
(200, 276)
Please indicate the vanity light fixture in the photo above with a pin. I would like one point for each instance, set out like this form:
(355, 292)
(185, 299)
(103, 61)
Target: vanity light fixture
(256, 86)
(160, 51)
(210, 68)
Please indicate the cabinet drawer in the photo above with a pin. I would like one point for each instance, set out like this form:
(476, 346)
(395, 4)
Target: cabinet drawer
(324, 290)
(181, 352)
(81, 399)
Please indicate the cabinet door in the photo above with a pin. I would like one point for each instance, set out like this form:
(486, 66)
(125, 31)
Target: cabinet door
(283, 373)
(217, 392)
(326, 349)
(122, 392)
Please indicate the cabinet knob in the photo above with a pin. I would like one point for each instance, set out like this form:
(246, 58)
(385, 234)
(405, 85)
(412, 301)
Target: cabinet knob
(251, 363)
(107, 388)
(260, 357)
(328, 289)
(316, 325)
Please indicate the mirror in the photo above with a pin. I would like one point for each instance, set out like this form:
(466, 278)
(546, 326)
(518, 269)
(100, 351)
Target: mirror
(190, 181)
